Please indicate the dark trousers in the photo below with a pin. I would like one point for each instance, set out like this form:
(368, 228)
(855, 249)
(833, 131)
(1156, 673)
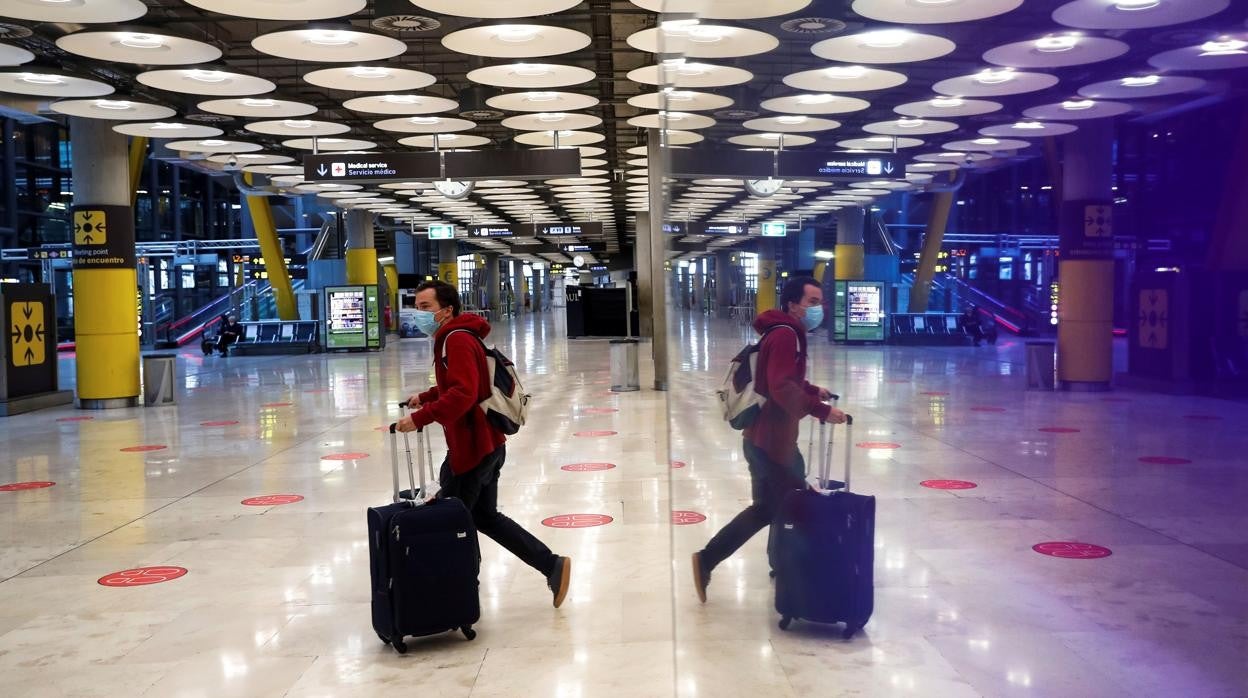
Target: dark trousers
(478, 490)
(769, 483)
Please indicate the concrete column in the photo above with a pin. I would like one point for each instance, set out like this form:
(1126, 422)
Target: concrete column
(106, 329)
(492, 282)
(448, 262)
(645, 280)
(1086, 271)
(517, 287)
(850, 251)
(723, 283)
(361, 248)
(658, 254)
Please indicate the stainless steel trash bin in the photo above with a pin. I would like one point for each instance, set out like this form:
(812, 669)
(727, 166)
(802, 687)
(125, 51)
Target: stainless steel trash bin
(1041, 365)
(624, 372)
(158, 379)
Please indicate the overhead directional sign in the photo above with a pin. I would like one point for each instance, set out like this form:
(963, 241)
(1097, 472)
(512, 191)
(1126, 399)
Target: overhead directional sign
(490, 231)
(430, 166)
(560, 229)
(833, 166)
(694, 228)
(372, 167)
(841, 166)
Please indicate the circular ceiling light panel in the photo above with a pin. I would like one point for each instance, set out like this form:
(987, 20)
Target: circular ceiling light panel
(941, 106)
(297, 127)
(725, 9)
(1224, 52)
(169, 129)
(880, 188)
(45, 83)
(75, 11)
(791, 123)
(267, 169)
(113, 108)
(410, 105)
(672, 119)
(493, 9)
(531, 76)
(288, 10)
(880, 143)
(1056, 51)
(844, 78)
(214, 145)
(426, 124)
(546, 121)
(515, 40)
(329, 144)
(259, 159)
(1142, 87)
(675, 137)
(955, 157)
(932, 11)
(697, 40)
(258, 108)
(138, 46)
(14, 55)
(815, 103)
(445, 140)
(370, 78)
(771, 140)
(329, 45)
(987, 144)
(680, 73)
(539, 101)
(883, 46)
(1135, 14)
(566, 138)
(206, 81)
(680, 100)
(931, 167)
(1028, 128)
(1078, 109)
(995, 82)
(910, 127)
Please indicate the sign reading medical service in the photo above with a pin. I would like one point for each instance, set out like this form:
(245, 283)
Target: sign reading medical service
(103, 237)
(341, 167)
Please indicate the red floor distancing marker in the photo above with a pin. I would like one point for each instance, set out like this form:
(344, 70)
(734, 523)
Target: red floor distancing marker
(877, 444)
(219, 423)
(141, 576)
(949, 484)
(1059, 430)
(351, 455)
(269, 405)
(144, 448)
(21, 486)
(594, 433)
(599, 410)
(1164, 460)
(577, 520)
(687, 518)
(1202, 417)
(678, 464)
(1072, 550)
(272, 500)
(75, 419)
(587, 467)
(987, 408)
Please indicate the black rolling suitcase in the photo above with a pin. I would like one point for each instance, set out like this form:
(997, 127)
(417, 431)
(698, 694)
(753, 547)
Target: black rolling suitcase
(423, 558)
(825, 549)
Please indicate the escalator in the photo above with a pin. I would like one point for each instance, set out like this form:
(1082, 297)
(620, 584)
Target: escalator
(953, 293)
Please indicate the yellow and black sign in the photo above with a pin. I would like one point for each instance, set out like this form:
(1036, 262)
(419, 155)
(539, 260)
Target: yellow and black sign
(103, 237)
(1154, 318)
(28, 316)
(27, 334)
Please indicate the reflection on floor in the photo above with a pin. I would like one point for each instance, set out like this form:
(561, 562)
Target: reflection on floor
(275, 598)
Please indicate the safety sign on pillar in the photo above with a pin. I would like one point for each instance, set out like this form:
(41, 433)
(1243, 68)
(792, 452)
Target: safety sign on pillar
(28, 354)
(103, 237)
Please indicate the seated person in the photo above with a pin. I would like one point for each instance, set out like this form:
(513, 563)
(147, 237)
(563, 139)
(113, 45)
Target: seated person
(228, 333)
(969, 321)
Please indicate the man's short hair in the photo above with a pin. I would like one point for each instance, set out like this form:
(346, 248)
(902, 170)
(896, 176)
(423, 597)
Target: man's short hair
(446, 294)
(795, 290)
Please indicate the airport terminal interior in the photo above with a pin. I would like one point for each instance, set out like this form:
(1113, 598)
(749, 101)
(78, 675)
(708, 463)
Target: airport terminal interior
(1025, 224)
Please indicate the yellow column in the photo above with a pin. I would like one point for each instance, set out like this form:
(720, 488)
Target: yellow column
(820, 268)
(271, 250)
(138, 153)
(766, 297)
(1086, 318)
(937, 223)
(850, 262)
(362, 266)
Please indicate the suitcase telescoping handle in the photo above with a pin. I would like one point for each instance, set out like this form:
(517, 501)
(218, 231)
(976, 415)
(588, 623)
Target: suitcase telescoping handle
(825, 452)
(810, 445)
(424, 452)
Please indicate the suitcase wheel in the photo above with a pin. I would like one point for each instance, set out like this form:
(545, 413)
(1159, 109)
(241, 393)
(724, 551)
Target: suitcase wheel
(399, 646)
(384, 640)
(469, 633)
(784, 622)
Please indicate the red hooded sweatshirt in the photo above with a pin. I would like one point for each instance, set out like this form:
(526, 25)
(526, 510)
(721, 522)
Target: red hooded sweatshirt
(782, 380)
(463, 381)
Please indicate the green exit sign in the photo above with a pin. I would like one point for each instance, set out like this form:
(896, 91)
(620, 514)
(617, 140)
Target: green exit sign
(441, 232)
(775, 229)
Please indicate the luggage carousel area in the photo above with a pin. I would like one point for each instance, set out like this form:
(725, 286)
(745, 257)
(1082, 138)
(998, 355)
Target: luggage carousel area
(1041, 544)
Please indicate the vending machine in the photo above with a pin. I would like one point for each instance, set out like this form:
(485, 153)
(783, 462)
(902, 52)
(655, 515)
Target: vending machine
(858, 313)
(352, 318)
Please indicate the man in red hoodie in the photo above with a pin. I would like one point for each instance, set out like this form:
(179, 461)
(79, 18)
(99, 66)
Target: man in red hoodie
(476, 450)
(776, 465)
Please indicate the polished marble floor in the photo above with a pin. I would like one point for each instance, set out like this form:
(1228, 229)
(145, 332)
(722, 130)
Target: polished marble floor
(275, 600)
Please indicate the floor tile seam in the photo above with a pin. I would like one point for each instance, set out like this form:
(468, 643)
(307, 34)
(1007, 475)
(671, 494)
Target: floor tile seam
(169, 504)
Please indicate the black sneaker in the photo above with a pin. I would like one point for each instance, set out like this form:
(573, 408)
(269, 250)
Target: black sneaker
(701, 577)
(560, 579)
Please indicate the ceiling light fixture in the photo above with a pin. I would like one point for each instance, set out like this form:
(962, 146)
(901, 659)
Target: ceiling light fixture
(676, 26)
(425, 120)
(1056, 44)
(1028, 125)
(212, 143)
(709, 35)
(530, 70)
(946, 102)
(515, 34)
(541, 97)
(1141, 81)
(986, 141)
(40, 79)
(551, 118)
(370, 72)
(905, 122)
(168, 127)
(693, 70)
(885, 38)
(988, 76)
(116, 105)
(400, 99)
(880, 139)
(297, 123)
(822, 98)
(141, 41)
(1224, 46)
(328, 37)
(1135, 5)
(206, 75)
(845, 72)
(258, 103)
(1078, 104)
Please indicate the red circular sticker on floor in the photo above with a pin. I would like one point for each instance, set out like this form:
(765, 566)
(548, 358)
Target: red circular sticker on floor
(877, 444)
(934, 393)
(595, 433)
(599, 410)
(1072, 550)
(1202, 417)
(19, 486)
(687, 518)
(221, 423)
(352, 455)
(1059, 430)
(678, 464)
(141, 576)
(277, 404)
(987, 408)
(144, 449)
(587, 467)
(949, 484)
(272, 500)
(1164, 460)
(75, 419)
(577, 520)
